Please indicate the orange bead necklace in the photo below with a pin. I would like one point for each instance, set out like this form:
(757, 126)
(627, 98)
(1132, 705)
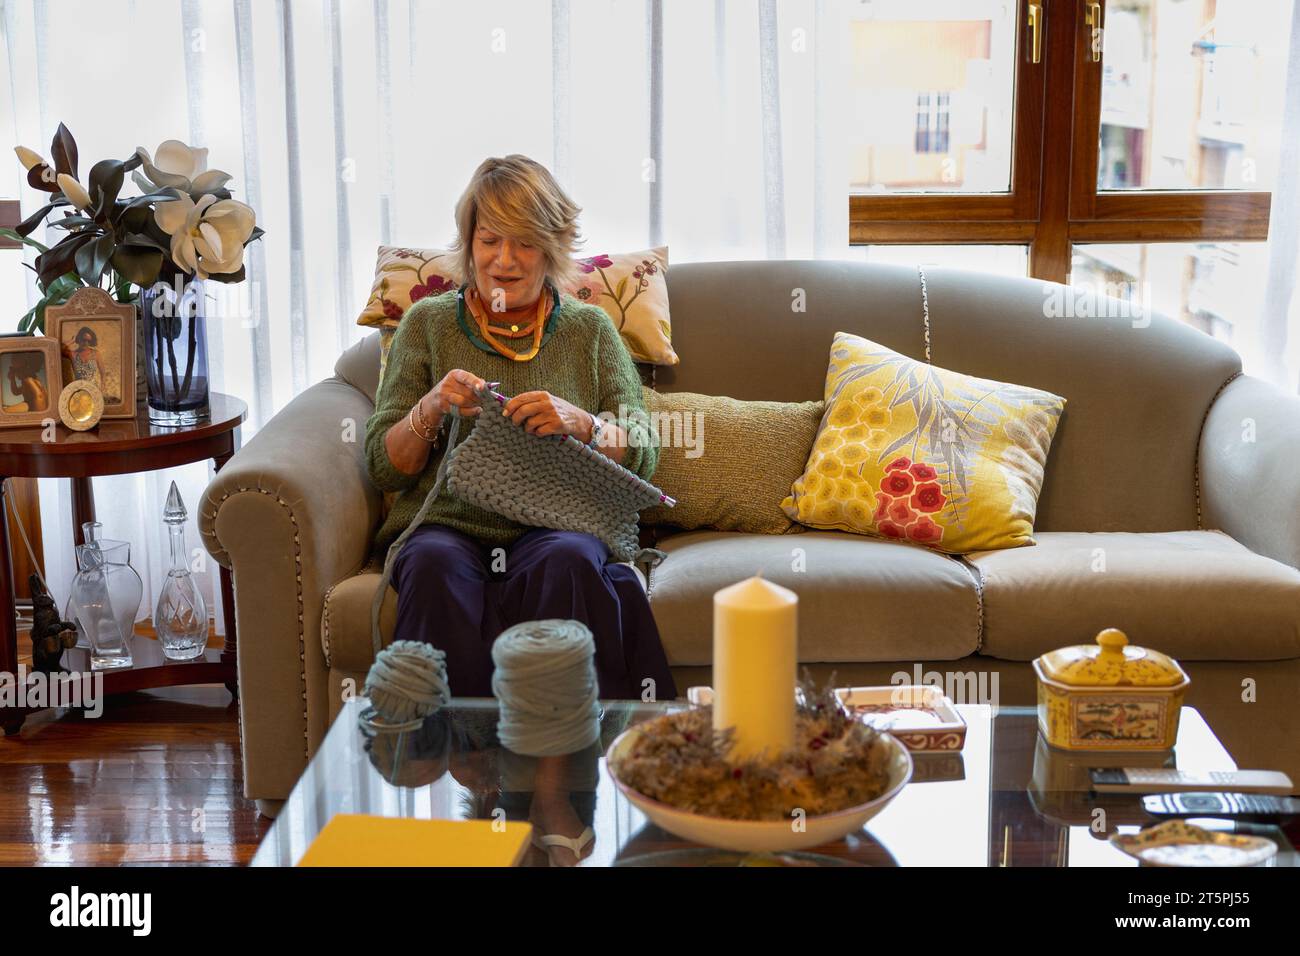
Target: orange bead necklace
(536, 327)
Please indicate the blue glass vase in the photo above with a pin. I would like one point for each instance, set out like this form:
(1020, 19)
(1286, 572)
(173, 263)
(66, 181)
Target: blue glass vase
(175, 352)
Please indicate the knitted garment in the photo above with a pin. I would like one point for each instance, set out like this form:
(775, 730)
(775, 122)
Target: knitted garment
(584, 362)
(552, 481)
(548, 482)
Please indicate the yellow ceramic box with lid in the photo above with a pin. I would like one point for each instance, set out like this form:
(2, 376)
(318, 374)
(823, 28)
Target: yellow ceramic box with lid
(1110, 695)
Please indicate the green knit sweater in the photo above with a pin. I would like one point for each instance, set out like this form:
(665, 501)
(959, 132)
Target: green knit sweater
(583, 361)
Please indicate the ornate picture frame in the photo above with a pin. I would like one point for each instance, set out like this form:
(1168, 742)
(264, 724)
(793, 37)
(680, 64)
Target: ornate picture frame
(30, 380)
(96, 338)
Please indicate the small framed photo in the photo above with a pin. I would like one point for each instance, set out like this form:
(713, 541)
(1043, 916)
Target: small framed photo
(29, 380)
(96, 339)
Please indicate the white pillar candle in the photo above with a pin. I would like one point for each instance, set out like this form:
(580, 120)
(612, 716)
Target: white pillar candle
(755, 653)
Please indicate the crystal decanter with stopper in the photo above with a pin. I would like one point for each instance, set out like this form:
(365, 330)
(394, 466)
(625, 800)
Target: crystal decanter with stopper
(182, 616)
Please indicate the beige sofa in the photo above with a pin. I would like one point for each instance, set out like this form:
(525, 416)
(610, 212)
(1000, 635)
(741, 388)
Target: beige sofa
(1171, 508)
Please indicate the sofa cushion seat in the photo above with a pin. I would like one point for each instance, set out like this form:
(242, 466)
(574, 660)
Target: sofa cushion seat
(860, 598)
(345, 620)
(1197, 595)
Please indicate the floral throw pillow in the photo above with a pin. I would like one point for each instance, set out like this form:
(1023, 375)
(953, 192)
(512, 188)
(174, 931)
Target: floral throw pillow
(633, 290)
(909, 451)
(404, 276)
(630, 287)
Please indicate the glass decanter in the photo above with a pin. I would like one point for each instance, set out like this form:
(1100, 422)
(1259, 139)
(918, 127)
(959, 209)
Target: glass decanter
(106, 593)
(181, 619)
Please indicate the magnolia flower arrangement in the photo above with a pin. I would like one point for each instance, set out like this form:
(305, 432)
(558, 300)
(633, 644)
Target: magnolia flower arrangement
(184, 224)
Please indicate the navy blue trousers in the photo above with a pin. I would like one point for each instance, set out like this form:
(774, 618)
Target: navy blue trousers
(450, 595)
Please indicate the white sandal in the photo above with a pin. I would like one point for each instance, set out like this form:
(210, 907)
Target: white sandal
(574, 845)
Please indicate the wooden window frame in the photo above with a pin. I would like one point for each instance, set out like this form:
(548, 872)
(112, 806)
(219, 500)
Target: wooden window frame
(1056, 126)
(1003, 217)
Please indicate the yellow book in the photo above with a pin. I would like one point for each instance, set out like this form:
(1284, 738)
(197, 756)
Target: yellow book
(351, 839)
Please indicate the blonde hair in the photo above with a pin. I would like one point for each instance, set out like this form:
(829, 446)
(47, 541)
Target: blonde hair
(518, 197)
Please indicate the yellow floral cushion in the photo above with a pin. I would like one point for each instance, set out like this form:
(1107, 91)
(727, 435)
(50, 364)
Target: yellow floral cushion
(913, 452)
(631, 287)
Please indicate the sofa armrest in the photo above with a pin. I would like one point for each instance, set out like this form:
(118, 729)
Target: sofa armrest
(1250, 468)
(291, 513)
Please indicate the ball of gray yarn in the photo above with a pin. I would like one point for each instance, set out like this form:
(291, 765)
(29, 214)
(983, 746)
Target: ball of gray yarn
(408, 680)
(545, 682)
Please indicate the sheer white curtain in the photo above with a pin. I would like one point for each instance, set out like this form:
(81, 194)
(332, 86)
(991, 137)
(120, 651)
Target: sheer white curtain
(714, 127)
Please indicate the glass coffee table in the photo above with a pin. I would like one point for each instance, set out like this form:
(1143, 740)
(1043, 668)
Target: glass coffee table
(1006, 799)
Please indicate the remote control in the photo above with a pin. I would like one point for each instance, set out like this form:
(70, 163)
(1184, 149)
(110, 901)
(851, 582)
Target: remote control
(1163, 780)
(1246, 807)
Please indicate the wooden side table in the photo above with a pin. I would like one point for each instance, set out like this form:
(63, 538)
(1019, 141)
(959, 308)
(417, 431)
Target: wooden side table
(116, 447)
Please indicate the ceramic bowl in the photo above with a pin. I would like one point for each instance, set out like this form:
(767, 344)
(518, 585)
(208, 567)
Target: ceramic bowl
(1178, 843)
(762, 836)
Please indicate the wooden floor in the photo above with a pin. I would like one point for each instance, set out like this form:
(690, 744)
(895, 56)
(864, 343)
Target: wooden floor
(156, 778)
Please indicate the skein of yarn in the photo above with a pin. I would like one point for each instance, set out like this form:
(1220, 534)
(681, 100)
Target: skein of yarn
(408, 680)
(545, 682)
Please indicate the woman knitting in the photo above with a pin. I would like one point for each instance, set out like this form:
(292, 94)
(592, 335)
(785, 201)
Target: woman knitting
(466, 574)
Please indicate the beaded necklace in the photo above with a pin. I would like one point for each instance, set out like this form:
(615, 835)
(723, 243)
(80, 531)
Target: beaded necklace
(485, 335)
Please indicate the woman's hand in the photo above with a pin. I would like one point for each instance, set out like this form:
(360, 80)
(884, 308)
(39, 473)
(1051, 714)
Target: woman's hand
(542, 413)
(457, 388)
(408, 449)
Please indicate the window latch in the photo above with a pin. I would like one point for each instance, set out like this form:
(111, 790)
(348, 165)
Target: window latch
(1092, 19)
(1036, 16)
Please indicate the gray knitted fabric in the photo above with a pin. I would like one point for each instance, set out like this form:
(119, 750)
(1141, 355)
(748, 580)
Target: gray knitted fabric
(552, 482)
(547, 482)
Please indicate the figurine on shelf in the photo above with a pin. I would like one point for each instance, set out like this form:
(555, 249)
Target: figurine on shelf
(50, 635)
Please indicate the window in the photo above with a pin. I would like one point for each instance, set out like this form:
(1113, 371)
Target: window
(1129, 145)
(933, 95)
(1217, 287)
(1192, 94)
(932, 123)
